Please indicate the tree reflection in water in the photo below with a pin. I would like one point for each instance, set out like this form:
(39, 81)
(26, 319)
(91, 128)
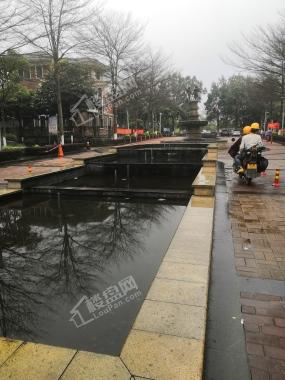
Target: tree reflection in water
(61, 249)
(18, 294)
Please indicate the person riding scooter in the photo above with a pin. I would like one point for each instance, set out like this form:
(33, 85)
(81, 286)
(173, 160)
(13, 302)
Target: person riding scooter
(234, 149)
(247, 142)
(252, 139)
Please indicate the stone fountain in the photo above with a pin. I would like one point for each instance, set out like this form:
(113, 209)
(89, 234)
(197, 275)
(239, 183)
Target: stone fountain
(193, 125)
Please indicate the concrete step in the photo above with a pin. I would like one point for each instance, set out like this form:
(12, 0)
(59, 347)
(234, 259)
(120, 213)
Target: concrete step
(3, 184)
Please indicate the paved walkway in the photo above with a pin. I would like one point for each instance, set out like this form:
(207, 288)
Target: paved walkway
(42, 166)
(257, 214)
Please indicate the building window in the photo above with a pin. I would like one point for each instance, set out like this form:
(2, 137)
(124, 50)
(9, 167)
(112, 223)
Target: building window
(45, 70)
(26, 73)
(39, 71)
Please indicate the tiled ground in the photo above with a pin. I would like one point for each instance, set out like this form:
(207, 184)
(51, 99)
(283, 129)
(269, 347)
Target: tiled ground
(257, 214)
(258, 229)
(264, 324)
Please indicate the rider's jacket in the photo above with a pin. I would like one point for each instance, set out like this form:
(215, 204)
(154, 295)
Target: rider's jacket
(234, 149)
(248, 141)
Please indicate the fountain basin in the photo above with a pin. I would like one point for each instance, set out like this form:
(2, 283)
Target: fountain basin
(193, 128)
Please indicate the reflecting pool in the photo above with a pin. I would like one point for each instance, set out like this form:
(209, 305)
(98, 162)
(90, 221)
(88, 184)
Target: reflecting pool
(74, 273)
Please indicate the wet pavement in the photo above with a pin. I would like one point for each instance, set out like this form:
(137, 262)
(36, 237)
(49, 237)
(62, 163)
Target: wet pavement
(257, 256)
(225, 346)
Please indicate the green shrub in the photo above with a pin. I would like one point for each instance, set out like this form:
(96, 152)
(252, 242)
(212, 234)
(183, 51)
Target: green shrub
(10, 148)
(11, 137)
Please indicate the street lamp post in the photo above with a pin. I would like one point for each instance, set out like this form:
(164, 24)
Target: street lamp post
(160, 114)
(282, 98)
(266, 113)
(283, 115)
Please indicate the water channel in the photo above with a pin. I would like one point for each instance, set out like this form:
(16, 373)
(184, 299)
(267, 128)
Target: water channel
(74, 271)
(57, 254)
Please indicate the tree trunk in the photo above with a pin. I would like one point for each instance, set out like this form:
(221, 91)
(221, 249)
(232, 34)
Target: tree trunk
(3, 141)
(282, 95)
(59, 107)
(1, 259)
(115, 113)
(218, 123)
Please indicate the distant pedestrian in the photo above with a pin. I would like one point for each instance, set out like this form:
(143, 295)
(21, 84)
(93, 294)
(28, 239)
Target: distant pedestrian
(268, 135)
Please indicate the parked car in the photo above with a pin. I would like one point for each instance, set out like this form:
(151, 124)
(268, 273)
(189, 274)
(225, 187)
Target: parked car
(236, 133)
(225, 132)
(209, 134)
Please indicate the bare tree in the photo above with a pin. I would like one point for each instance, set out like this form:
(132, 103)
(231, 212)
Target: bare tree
(263, 52)
(150, 73)
(115, 38)
(154, 78)
(11, 15)
(52, 32)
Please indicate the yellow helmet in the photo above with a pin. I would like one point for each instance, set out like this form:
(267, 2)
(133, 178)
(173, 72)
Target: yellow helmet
(246, 130)
(255, 126)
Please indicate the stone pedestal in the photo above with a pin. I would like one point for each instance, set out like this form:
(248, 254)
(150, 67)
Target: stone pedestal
(193, 125)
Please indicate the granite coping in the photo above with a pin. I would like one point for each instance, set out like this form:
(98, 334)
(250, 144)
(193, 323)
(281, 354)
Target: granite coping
(4, 193)
(205, 182)
(168, 337)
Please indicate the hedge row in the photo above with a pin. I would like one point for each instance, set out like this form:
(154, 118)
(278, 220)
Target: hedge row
(45, 151)
(48, 151)
(279, 139)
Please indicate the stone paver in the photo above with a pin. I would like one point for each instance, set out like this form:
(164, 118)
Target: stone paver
(183, 272)
(189, 256)
(7, 192)
(163, 357)
(264, 324)
(7, 348)
(171, 318)
(36, 361)
(90, 366)
(181, 292)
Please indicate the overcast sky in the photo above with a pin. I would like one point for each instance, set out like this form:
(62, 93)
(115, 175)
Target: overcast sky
(195, 33)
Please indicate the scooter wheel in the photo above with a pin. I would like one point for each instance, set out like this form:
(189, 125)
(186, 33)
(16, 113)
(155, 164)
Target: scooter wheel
(248, 181)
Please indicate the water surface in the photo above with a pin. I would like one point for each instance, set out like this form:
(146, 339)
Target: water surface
(56, 254)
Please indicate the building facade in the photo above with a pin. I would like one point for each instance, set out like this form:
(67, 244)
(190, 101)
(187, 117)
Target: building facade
(85, 122)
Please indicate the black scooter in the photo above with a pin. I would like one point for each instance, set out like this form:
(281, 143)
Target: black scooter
(253, 164)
